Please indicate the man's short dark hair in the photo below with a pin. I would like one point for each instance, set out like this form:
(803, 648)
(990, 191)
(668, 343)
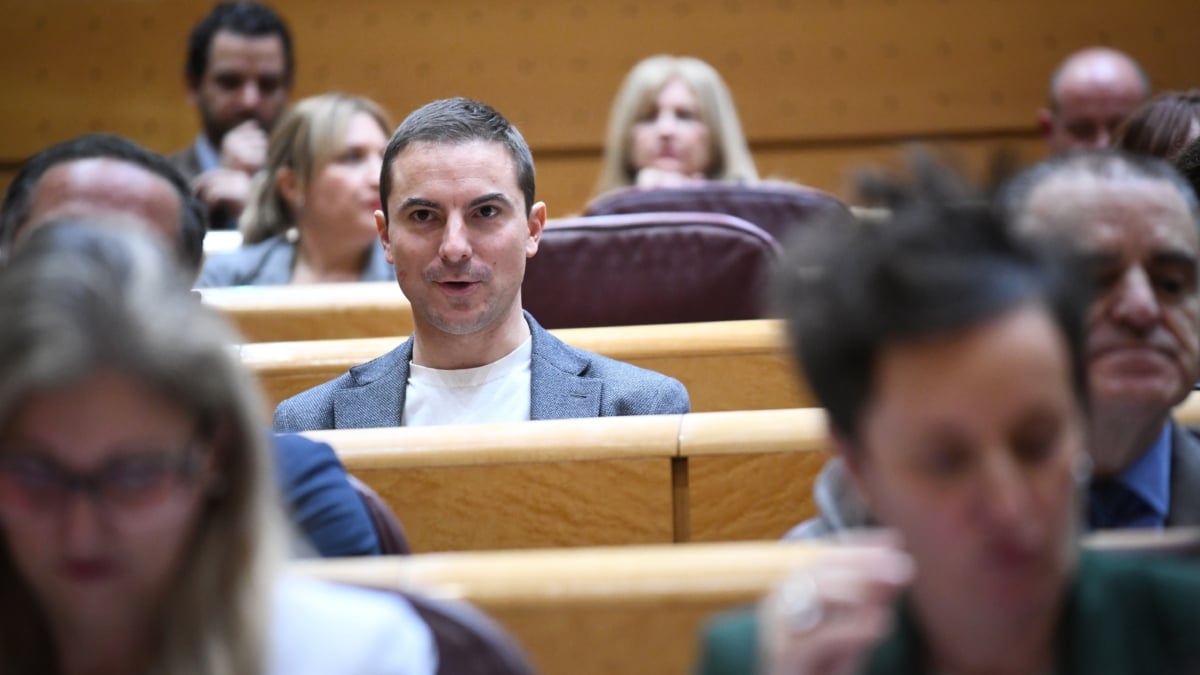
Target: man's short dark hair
(459, 120)
(1188, 164)
(18, 201)
(941, 264)
(245, 18)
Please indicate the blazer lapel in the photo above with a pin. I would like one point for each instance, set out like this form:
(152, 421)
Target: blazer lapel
(378, 401)
(1185, 477)
(558, 389)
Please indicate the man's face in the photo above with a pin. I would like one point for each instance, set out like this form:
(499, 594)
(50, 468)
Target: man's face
(458, 234)
(968, 447)
(1093, 99)
(245, 79)
(1142, 247)
(101, 188)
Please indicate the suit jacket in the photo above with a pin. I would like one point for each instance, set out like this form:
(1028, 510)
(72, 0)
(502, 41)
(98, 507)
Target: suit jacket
(322, 503)
(1123, 615)
(1184, 509)
(187, 161)
(269, 263)
(841, 508)
(565, 383)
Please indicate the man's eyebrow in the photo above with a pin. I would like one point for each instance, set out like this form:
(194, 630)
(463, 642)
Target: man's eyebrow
(493, 197)
(417, 201)
(1174, 257)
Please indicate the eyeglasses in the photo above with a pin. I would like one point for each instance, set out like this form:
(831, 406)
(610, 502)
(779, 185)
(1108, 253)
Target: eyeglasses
(129, 488)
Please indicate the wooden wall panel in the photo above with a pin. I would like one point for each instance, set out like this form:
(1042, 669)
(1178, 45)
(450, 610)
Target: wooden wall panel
(565, 182)
(841, 74)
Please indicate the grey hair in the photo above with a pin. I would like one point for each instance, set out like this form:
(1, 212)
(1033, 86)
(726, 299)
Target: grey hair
(78, 298)
(1106, 164)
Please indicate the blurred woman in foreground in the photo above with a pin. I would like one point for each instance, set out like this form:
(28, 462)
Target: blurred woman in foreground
(140, 526)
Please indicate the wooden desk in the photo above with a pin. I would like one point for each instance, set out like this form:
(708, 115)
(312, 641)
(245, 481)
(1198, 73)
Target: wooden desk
(555, 483)
(313, 312)
(732, 476)
(725, 365)
(592, 611)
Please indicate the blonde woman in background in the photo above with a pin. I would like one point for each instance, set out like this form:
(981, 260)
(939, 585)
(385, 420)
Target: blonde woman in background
(673, 123)
(140, 525)
(310, 216)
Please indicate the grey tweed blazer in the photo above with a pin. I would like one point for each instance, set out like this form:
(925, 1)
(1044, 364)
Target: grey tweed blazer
(565, 383)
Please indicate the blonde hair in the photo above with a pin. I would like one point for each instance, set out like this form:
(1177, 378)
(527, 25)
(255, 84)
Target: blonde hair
(731, 155)
(79, 297)
(308, 136)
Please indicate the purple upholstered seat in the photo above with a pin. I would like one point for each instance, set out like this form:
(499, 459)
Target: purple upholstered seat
(649, 268)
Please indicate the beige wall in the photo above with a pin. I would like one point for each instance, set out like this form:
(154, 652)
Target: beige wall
(821, 85)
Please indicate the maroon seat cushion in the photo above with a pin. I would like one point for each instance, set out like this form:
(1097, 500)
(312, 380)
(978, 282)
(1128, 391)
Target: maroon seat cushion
(778, 208)
(468, 641)
(392, 539)
(649, 268)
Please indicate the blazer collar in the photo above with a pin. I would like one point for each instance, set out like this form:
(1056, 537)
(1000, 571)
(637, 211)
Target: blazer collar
(1185, 477)
(559, 387)
(378, 398)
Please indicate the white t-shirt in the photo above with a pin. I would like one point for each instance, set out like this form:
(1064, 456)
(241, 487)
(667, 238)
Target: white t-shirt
(496, 392)
(319, 628)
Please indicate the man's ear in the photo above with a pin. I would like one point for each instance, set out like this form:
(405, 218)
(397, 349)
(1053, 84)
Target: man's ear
(1045, 120)
(856, 462)
(384, 240)
(192, 87)
(537, 223)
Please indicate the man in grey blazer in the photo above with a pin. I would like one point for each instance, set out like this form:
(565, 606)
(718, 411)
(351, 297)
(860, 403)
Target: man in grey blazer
(458, 223)
(1134, 221)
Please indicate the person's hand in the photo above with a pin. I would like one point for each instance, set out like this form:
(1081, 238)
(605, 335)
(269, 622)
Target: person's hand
(244, 147)
(650, 178)
(224, 191)
(824, 618)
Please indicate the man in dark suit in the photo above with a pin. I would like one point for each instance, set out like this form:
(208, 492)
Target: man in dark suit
(459, 221)
(112, 180)
(956, 363)
(239, 75)
(1134, 220)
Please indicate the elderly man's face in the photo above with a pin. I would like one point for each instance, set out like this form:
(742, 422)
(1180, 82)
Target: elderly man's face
(1142, 245)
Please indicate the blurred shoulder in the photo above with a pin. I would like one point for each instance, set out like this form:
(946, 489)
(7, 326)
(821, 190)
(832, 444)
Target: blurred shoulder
(319, 627)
